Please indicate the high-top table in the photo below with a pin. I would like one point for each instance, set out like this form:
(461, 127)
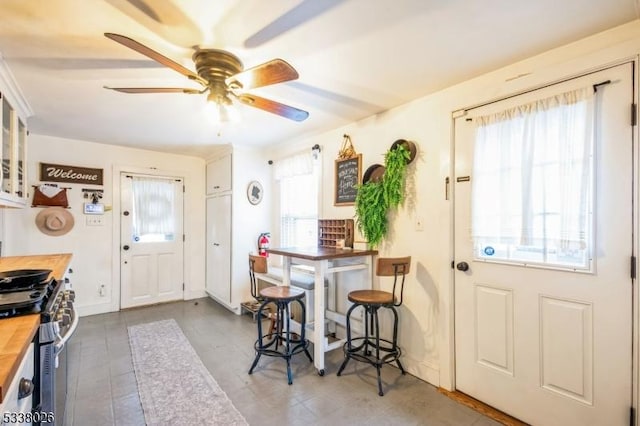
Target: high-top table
(325, 261)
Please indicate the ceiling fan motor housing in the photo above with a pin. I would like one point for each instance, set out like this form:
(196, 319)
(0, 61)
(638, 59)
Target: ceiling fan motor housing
(216, 66)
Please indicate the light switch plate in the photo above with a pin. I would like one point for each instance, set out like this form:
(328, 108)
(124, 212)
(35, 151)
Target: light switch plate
(95, 220)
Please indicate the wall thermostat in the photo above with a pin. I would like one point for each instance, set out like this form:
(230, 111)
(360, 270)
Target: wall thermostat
(93, 208)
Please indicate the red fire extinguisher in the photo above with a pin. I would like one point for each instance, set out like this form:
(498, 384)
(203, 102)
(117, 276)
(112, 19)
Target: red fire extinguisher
(263, 244)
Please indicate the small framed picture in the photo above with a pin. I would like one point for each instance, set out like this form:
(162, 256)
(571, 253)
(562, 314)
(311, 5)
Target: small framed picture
(254, 192)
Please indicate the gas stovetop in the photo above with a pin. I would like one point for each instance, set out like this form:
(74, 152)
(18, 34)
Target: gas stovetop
(27, 301)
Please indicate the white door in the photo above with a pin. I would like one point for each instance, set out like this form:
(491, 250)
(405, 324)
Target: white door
(151, 241)
(219, 247)
(543, 314)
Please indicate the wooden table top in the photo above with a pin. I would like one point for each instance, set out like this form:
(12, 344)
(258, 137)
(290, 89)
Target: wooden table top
(321, 253)
(17, 333)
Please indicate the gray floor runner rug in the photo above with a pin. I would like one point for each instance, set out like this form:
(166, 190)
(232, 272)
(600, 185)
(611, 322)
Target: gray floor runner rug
(175, 387)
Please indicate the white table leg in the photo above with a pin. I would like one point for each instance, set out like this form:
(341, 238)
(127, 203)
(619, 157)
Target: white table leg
(286, 270)
(318, 322)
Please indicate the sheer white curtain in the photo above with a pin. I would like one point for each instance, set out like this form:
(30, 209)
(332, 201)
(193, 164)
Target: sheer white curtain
(153, 209)
(532, 177)
(298, 180)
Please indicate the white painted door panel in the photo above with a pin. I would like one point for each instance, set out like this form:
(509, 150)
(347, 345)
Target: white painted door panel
(151, 271)
(219, 247)
(552, 346)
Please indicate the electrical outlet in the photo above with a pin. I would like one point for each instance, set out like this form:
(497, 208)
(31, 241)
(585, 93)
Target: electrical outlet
(95, 220)
(419, 224)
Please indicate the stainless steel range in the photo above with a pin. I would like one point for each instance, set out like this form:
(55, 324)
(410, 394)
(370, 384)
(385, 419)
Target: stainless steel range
(32, 291)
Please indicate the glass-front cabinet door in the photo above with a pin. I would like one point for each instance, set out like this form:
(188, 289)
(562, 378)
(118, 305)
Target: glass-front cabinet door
(13, 181)
(21, 163)
(7, 133)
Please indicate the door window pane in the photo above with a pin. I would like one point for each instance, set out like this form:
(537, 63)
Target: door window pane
(532, 182)
(153, 209)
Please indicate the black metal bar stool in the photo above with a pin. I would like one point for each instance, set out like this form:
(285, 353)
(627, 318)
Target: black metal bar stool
(281, 342)
(371, 348)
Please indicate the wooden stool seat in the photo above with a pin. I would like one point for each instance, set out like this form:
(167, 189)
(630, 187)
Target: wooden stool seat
(281, 293)
(371, 297)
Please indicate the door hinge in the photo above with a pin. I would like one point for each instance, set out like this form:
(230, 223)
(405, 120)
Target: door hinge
(453, 264)
(183, 238)
(182, 286)
(634, 114)
(183, 189)
(632, 416)
(633, 267)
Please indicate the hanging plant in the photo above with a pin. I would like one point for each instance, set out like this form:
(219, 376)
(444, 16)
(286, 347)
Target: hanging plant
(376, 197)
(371, 212)
(395, 166)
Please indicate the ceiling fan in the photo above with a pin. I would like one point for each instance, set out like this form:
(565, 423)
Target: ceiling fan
(222, 74)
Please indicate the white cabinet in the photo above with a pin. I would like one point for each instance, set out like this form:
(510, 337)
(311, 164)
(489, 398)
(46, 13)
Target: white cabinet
(219, 175)
(13, 186)
(17, 406)
(231, 238)
(218, 252)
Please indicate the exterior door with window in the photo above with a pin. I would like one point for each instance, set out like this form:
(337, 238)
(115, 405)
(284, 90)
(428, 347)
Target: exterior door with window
(151, 246)
(543, 242)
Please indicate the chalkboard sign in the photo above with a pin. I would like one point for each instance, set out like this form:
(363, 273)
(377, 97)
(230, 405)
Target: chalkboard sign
(348, 177)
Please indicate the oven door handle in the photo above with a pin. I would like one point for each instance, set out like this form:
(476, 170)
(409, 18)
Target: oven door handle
(67, 335)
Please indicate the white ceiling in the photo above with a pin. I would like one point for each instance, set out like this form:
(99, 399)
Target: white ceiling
(355, 58)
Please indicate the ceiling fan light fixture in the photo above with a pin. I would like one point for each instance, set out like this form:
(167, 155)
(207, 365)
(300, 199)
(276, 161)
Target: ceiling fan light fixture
(221, 111)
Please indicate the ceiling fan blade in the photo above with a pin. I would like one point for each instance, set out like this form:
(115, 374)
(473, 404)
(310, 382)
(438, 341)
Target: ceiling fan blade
(155, 90)
(272, 72)
(303, 12)
(274, 107)
(158, 57)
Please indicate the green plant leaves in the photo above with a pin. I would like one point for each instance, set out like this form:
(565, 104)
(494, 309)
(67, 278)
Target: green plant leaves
(374, 199)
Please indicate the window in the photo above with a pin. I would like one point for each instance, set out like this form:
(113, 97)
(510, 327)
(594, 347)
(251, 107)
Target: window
(532, 191)
(153, 209)
(298, 179)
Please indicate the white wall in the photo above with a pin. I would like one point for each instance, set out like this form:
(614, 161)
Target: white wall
(426, 318)
(96, 248)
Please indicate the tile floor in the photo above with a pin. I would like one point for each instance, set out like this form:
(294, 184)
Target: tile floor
(103, 391)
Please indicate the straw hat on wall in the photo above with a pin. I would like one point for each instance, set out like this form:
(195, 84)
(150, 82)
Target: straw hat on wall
(54, 221)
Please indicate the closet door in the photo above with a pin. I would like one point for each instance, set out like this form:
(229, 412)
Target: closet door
(218, 283)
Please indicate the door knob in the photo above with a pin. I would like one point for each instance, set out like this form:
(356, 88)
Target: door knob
(25, 388)
(125, 247)
(462, 266)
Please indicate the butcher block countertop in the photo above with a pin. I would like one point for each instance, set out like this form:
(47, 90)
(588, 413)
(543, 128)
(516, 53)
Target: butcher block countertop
(16, 333)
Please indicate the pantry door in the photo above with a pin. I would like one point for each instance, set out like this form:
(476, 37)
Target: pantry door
(151, 240)
(543, 252)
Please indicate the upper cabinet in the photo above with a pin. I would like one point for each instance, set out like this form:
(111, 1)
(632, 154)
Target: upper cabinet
(219, 175)
(14, 110)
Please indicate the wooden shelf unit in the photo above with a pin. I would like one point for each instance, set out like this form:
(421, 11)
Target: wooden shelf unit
(332, 230)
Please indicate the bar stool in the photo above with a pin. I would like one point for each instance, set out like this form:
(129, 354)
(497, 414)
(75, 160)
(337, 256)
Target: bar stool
(290, 343)
(371, 348)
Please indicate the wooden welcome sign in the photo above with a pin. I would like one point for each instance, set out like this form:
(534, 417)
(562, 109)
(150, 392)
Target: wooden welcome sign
(70, 174)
